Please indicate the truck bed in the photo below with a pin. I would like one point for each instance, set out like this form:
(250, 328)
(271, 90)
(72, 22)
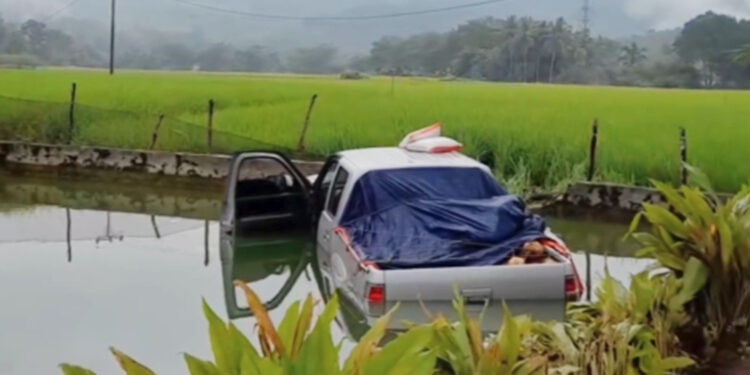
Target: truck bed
(534, 289)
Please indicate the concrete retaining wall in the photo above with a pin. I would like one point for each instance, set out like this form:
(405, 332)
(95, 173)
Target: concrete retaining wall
(605, 195)
(55, 158)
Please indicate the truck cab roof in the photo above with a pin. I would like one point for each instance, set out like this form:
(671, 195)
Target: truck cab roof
(370, 159)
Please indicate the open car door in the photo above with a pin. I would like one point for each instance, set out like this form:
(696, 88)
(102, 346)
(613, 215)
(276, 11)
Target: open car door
(270, 264)
(265, 191)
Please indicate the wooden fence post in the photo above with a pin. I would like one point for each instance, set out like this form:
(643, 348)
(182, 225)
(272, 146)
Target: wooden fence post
(205, 245)
(592, 150)
(301, 144)
(71, 114)
(588, 276)
(683, 156)
(210, 139)
(67, 234)
(155, 136)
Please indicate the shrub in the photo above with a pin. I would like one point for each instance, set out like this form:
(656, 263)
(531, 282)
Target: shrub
(709, 239)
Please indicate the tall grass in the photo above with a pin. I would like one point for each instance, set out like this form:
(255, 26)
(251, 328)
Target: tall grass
(540, 130)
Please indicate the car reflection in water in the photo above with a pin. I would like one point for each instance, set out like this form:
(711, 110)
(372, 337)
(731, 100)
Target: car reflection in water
(253, 257)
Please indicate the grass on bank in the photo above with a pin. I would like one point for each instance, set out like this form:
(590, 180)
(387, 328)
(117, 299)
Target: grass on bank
(532, 134)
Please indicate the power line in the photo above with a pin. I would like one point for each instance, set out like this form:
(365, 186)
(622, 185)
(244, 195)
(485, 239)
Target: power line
(59, 10)
(338, 18)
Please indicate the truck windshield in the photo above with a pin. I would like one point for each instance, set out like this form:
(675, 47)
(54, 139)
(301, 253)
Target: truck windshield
(383, 189)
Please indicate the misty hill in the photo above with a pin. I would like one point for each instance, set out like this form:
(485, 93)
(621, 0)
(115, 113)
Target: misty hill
(150, 20)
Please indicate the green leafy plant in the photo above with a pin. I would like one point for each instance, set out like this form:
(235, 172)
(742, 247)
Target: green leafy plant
(705, 242)
(625, 331)
(464, 350)
(297, 346)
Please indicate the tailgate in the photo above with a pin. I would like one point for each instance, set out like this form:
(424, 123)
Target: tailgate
(533, 289)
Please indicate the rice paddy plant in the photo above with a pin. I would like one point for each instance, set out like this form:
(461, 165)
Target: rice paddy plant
(548, 126)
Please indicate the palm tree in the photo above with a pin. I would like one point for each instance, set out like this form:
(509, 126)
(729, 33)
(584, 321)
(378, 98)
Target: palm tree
(523, 42)
(632, 55)
(555, 44)
(742, 56)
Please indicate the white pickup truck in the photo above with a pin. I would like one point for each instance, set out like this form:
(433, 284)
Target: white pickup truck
(414, 228)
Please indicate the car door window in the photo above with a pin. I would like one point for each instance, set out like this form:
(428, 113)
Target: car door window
(325, 185)
(337, 190)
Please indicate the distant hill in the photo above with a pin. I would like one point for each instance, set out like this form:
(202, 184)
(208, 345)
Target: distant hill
(141, 16)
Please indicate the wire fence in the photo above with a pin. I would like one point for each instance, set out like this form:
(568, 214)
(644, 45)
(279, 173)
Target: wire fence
(85, 125)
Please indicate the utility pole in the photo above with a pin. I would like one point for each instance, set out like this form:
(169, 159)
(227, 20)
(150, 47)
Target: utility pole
(587, 30)
(586, 17)
(112, 41)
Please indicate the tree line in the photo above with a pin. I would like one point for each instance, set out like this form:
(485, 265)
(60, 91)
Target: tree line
(711, 50)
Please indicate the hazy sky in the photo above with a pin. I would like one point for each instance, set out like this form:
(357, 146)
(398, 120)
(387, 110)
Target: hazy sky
(672, 13)
(138, 19)
(656, 13)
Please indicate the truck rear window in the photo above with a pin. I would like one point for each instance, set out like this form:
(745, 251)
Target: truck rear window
(382, 189)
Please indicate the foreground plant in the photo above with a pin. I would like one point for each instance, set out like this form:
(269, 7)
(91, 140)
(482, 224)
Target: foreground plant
(626, 331)
(710, 239)
(297, 347)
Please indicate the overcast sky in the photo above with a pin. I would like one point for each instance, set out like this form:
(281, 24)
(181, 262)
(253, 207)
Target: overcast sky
(657, 13)
(672, 13)
(138, 19)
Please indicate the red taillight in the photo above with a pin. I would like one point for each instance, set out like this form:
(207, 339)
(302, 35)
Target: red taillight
(376, 294)
(573, 291)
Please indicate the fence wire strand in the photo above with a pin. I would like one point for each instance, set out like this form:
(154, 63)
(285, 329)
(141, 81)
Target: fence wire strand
(49, 122)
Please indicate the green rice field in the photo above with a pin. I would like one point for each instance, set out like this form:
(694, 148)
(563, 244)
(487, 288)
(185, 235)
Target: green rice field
(533, 135)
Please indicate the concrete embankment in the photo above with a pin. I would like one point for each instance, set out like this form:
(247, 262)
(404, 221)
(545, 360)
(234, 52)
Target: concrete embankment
(134, 167)
(33, 157)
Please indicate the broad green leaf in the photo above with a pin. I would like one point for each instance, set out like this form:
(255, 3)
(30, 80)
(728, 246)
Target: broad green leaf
(509, 339)
(318, 354)
(415, 364)
(260, 366)
(693, 280)
(674, 363)
(727, 244)
(672, 195)
(647, 239)
(634, 225)
(227, 359)
(303, 325)
(370, 340)
(643, 293)
(699, 207)
(68, 369)
(701, 180)
(129, 365)
(659, 215)
(241, 344)
(289, 323)
(669, 260)
(200, 367)
(410, 343)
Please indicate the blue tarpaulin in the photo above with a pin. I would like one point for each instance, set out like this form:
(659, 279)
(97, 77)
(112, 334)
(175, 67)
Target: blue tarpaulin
(436, 217)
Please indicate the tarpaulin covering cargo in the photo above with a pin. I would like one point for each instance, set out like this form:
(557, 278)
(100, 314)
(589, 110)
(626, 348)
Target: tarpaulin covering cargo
(436, 217)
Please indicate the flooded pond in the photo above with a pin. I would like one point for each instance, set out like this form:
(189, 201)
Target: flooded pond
(84, 267)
